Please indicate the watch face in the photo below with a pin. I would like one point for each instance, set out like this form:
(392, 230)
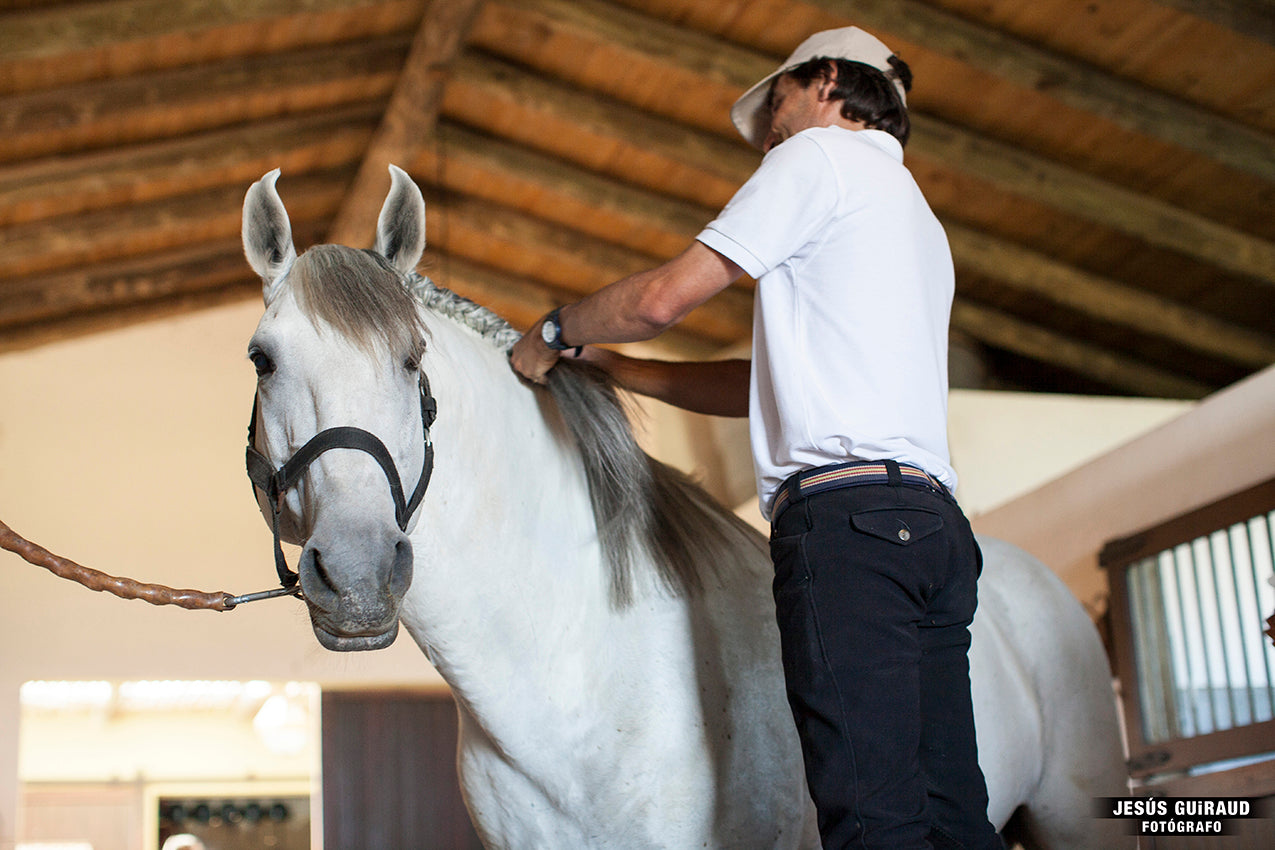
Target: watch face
(548, 332)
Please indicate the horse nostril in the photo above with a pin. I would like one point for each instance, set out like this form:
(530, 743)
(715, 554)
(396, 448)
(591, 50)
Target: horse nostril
(401, 569)
(316, 560)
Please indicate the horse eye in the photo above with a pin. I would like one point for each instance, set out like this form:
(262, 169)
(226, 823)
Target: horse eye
(413, 361)
(263, 364)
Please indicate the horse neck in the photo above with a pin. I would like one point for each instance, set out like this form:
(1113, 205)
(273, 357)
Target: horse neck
(506, 531)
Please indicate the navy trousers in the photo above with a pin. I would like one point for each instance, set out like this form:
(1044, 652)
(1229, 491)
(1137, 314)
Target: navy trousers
(875, 588)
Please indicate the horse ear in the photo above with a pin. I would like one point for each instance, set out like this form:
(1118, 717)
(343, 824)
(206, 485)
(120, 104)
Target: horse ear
(400, 230)
(267, 233)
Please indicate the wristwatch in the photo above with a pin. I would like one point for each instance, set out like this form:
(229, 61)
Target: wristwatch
(551, 331)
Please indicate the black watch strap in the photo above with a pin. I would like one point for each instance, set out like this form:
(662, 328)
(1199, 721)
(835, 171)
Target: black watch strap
(552, 334)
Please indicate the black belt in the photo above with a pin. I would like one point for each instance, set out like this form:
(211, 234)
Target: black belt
(807, 482)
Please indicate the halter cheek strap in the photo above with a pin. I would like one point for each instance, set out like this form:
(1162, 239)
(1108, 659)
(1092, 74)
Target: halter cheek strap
(275, 482)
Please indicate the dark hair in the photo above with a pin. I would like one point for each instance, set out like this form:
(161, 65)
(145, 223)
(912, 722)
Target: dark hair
(868, 94)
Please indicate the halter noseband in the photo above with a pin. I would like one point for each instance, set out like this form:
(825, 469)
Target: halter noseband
(275, 482)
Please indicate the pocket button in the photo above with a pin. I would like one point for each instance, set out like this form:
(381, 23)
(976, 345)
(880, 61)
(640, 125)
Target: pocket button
(905, 535)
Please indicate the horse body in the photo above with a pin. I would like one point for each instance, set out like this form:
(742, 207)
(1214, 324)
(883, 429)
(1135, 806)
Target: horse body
(585, 723)
(602, 707)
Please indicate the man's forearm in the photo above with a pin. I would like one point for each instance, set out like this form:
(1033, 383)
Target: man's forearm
(714, 387)
(636, 308)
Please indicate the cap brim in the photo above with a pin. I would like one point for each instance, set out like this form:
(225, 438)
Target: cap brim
(749, 113)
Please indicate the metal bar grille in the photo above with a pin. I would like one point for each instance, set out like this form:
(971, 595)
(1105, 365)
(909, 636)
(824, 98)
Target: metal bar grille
(1196, 612)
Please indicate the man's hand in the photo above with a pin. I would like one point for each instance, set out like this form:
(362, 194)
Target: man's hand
(531, 358)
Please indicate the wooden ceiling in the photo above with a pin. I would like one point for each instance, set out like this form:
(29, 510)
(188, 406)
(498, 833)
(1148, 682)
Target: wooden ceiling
(1105, 169)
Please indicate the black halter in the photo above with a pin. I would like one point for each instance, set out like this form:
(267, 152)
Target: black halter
(275, 482)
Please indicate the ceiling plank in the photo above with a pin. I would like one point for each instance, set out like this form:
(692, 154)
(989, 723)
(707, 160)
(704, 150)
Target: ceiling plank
(562, 189)
(609, 137)
(105, 235)
(1253, 18)
(64, 186)
(178, 103)
(36, 334)
(410, 118)
(48, 299)
(1125, 102)
(1091, 198)
(1057, 186)
(1000, 330)
(557, 191)
(67, 28)
(1105, 299)
(69, 43)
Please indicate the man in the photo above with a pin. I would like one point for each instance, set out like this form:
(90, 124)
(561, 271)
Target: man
(875, 565)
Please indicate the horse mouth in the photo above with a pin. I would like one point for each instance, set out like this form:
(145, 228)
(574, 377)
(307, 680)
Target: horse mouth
(355, 642)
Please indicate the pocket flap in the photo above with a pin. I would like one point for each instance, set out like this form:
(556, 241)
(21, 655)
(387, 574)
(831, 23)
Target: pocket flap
(902, 526)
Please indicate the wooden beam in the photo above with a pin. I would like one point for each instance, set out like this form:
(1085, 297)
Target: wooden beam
(48, 300)
(106, 319)
(1251, 18)
(577, 198)
(182, 102)
(410, 118)
(1124, 102)
(44, 247)
(68, 28)
(1054, 185)
(134, 174)
(1000, 330)
(549, 188)
(1105, 299)
(609, 137)
(67, 43)
(1090, 198)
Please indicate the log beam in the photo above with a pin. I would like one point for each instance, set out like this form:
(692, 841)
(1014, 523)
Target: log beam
(1000, 330)
(1122, 101)
(409, 119)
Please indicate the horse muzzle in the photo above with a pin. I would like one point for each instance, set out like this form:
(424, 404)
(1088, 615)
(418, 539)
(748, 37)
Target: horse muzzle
(354, 588)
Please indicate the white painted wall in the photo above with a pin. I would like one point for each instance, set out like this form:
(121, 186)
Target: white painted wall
(124, 451)
(1223, 445)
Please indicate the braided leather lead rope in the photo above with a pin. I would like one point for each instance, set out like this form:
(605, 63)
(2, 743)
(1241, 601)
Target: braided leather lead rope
(125, 588)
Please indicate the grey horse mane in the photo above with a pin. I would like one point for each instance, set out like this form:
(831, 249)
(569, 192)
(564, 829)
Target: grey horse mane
(640, 505)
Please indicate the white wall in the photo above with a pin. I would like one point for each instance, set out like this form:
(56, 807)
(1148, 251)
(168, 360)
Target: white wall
(1225, 444)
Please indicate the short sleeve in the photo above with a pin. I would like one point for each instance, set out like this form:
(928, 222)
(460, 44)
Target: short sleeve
(781, 208)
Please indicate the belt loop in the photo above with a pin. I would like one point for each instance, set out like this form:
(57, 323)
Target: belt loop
(892, 473)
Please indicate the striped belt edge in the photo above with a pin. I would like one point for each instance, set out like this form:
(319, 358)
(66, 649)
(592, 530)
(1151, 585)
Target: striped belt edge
(847, 475)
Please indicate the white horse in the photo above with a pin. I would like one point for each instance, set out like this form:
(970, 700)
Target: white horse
(607, 630)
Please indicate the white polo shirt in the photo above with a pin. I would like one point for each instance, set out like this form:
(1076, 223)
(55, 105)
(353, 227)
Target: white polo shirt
(850, 318)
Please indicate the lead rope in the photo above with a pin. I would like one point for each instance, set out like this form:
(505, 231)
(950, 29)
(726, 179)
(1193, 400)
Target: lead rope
(126, 588)
(196, 600)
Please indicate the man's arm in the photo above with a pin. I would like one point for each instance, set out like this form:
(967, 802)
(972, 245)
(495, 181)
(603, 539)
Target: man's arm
(638, 307)
(715, 387)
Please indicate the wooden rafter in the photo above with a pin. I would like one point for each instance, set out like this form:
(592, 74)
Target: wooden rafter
(1125, 102)
(1106, 300)
(563, 143)
(1063, 188)
(409, 120)
(1253, 18)
(1003, 331)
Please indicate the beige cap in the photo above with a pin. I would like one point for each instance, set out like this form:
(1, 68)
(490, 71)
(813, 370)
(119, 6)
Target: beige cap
(849, 43)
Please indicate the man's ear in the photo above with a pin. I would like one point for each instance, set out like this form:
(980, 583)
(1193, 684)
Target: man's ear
(827, 83)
